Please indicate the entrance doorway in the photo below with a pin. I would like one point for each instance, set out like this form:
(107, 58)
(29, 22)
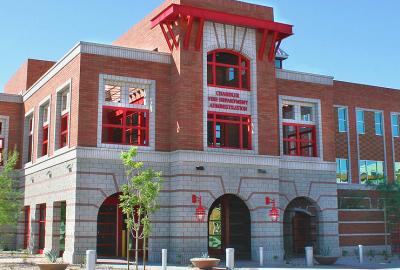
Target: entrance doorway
(111, 231)
(300, 226)
(229, 227)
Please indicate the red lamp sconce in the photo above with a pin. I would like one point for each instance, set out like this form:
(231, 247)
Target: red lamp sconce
(274, 212)
(200, 210)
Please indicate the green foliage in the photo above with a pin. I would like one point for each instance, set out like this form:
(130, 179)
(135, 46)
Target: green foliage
(324, 251)
(345, 253)
(139, 196)
(10, 197)
(51, 256)
(390, 194)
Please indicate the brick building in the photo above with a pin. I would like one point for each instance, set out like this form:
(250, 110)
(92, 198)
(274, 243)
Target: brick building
(202, 93)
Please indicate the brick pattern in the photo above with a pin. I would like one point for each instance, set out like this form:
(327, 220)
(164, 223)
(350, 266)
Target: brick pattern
(371, 146)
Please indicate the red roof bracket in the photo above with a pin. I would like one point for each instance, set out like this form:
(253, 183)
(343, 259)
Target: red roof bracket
(271, 54)
(200, 34)
(188, 32)
(170, 46)
(261, 51)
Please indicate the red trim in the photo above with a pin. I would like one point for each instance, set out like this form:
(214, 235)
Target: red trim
(126, 128)
(241, 122)
(172, 35)
(272, 49)
(263, 44)
(188, 32)
(45, 140)
(42, 227)
(173, 11)
(199, 37)
(27, 233)
(64, 131)
(214, 64)
(297, 139)
(170, 46)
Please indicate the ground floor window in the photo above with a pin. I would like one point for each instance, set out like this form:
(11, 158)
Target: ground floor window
(63, 220)
(228, 131)
(371, 171)
(342, 173)
(125, 126)
(299, 140)
(397, 171)
(42, 227)
(27, 217)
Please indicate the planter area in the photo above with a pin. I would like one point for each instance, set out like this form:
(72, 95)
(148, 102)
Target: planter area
(326, 260)
(205, 263)
(52, 266)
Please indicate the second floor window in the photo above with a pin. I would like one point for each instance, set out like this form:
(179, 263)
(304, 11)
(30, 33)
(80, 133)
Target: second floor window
(397, 171)
(229, 131)
(125, 126)
(228, 69)
(360, 122)
(30, 138)
(44, 121)
(378, 124)
(342, 119)
(395, 125)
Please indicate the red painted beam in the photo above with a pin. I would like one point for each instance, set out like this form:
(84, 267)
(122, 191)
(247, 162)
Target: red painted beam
(171, 48)
(263, 44)
(174, 10)
(199, 37)
(188, 32)
(272, 51)
(172, 35)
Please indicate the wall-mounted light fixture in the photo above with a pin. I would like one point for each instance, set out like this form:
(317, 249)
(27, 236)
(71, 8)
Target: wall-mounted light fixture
(200, 168)
(262, 171)
(200, 210)
(274, 212)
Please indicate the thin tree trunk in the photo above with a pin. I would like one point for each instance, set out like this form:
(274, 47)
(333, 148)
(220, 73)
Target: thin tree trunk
(137, 243)
(128, 236)
(144, 252)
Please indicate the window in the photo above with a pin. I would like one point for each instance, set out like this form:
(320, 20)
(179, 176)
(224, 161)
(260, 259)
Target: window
(288, 112)
(30, 138)
(27, 216)
(378, 124)
(136, 95)
(42, 226)
(2, 151)
(125, 126)
(113, 93)
(342, 119)
(360, 122)
(1, 128)
(371, 171)
(64, 131)
(299, 140)
(342, 170)
(306, 113)
(215, 228)
(397, 171)
(45, 117)
(395, 125)
(229, 131)
(278, 64)
(63, 219)
(228, 69)
(64, 101)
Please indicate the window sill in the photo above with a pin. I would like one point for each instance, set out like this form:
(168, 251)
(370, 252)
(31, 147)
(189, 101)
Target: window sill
(61, 150)
(301, 158)
(125, 147)
(230, 150)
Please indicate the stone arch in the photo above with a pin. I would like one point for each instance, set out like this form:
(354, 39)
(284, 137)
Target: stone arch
(301, 220)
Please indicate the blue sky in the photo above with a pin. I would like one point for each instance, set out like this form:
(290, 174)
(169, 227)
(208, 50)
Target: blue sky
(355, 40)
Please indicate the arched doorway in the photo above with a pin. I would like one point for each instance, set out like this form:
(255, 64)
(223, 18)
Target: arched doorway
(300, 226)
(111, 230)
(229, 227)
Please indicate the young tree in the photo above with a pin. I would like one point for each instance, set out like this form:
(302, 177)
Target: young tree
(10, 197)
(139, 199)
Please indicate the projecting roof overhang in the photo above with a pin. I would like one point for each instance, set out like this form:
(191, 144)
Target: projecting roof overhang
(168, 16)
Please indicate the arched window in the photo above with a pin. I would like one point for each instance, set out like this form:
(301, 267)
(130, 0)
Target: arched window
(228, 69)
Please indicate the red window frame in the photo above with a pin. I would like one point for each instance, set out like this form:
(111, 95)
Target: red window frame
(45, 140)
(2, 141)
(298, 141)
(241, 123)
(42, 227)
(27, 233)
(125, 128)
(64, 130)
(239, 67)
(30, 139)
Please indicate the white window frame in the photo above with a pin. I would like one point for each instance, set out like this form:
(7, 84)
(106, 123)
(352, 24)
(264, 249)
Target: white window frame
(393, 125)
(149, 104)
(345, 122)
(378, 125)
(340, 161)
(365, 161)
(359, 121)
(317, 121)
(65, 87)
(29, 115)
(45, 102)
